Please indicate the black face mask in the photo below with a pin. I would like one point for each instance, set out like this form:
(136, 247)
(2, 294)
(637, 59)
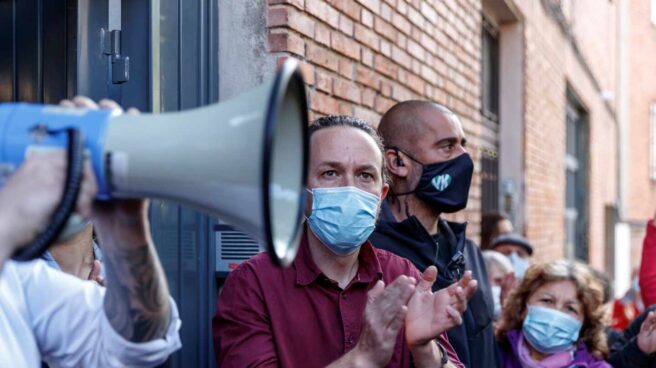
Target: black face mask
(445, 185)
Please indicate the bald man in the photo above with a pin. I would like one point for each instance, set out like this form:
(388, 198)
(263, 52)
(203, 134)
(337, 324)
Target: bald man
(431, 173)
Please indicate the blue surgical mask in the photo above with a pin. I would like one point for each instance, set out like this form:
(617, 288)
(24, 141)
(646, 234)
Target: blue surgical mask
(519, 264)
(343, 218)
(550, 331)
(496, 297)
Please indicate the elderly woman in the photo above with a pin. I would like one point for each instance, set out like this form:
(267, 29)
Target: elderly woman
(502, 279)
(554, 318)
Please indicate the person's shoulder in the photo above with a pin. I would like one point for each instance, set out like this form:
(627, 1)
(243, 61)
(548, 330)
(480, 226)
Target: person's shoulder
(256, 264)
(258, 269)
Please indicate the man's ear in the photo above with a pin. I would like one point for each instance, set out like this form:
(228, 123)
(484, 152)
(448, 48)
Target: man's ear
(395, 163)
(385, 191)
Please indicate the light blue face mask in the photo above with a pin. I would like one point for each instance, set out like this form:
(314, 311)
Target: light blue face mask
(343, 218)
(550, 331)
(520, 265)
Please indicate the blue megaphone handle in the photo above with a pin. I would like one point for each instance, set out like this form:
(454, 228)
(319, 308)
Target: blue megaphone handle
(66, 205)
(24, 127)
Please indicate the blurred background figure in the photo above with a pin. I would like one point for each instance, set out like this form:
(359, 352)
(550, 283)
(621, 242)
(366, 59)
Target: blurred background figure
(628, 307)
(502, 278)
(494, 224)
(517, 249)
(647, 277)
(79, 256)
(554, 318)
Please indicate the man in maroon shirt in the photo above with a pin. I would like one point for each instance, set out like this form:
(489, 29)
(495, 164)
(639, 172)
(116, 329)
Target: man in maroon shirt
(332, 306)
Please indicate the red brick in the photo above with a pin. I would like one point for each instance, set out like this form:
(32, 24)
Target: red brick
(415, 18)
(322, 34)
(368, 96)
(401, 40)
(348, 7)
(429, 12)
(300, 22)
(323, 11)
(401, 23)
(297, 3)
(322, 57)
(386, 66)
(367, 18)
(372, 5)
(382, 104)
(282, 40)
(428, 43)
(386, 88)
(367, 77)
(323, 103)
(402, 7)
(384, 29)
(367, 115)
(346, 68)
(277, 17)
(346, 90)
(345, 45)
(292, 18)
(308, 73)
(386, 12)
(366, 36)
(385, 48)
(416, 84)
(401, 57)
(416, 50)
(367, 57)
(345, 25)
(345, 108)
(324, 82)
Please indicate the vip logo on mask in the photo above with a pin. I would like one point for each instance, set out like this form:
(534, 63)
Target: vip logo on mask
(441, 182)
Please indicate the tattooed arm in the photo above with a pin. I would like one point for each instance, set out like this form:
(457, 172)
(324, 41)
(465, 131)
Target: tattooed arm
(137, 298)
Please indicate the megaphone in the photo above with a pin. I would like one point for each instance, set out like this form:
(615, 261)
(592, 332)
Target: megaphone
(243, 160)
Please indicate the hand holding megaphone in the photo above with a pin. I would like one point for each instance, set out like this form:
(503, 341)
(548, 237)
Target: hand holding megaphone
(29, 198)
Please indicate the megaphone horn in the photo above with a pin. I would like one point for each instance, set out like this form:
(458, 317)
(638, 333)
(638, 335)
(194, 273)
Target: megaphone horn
(244, 160)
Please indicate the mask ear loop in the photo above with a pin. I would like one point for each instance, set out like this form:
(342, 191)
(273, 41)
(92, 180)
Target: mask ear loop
(405, 194)
(398, 160)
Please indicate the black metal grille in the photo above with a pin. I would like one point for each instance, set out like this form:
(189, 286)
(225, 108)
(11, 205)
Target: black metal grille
(489, 181)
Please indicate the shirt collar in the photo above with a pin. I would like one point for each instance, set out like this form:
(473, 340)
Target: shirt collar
(307, 271)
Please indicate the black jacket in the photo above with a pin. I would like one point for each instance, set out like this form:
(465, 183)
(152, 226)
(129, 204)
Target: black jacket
(452, 253)
(624, 351)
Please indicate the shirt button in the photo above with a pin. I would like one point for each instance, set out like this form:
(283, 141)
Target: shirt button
(343, 295)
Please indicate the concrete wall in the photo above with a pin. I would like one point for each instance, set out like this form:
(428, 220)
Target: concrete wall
(244, 60)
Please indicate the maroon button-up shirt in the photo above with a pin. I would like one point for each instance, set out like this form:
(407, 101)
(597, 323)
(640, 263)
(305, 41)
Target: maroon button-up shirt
(296, 316)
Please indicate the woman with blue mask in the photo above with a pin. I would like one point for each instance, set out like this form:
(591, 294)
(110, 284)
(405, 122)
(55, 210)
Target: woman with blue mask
(554, 319)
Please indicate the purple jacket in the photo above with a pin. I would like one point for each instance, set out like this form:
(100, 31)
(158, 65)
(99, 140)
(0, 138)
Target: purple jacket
(582, 357)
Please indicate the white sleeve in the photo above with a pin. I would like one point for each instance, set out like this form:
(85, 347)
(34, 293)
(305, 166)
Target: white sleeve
(72, 330)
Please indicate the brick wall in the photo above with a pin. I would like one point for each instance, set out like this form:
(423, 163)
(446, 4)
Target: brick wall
(642, 90)
(552, 67)
(361, 57)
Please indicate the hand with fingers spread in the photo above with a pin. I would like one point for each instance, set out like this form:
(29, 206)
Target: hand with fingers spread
(384, 317)
(431, 314)
(508, 283)
(647, 336)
